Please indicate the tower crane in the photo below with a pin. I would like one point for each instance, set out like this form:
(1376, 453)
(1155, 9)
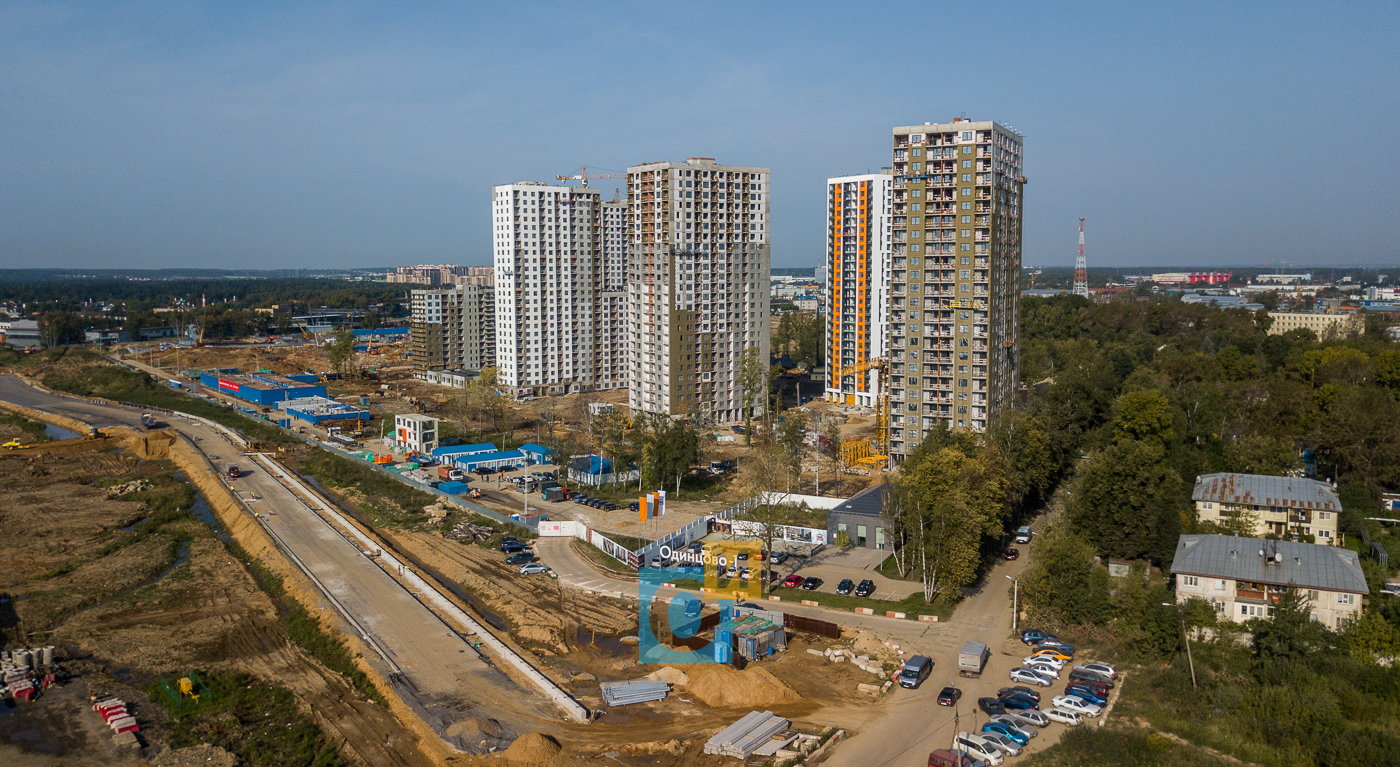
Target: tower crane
(882, 407)
(583, 176)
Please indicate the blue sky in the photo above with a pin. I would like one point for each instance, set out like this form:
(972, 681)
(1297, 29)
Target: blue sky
(271, 135)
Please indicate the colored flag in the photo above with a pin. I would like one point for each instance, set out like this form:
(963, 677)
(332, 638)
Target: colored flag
(661, 503)
(642, 507)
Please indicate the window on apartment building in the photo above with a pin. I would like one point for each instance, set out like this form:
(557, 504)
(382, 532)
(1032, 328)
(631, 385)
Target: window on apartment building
(1346, 599)
(1254, 611)
(1190, 580)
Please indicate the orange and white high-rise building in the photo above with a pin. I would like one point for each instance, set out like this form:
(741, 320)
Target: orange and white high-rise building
(858, 254)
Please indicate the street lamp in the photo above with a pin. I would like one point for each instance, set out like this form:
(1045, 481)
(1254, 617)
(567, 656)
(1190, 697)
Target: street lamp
(1015, 602)
(1184, 638)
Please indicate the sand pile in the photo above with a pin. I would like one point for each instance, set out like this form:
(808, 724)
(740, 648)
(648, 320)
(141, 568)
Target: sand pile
(867, 644)
(474, 731)
(671, 675)
(534, 749)
(720, 686)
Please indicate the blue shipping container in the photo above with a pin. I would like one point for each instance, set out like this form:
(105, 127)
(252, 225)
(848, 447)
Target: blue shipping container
(453, 488)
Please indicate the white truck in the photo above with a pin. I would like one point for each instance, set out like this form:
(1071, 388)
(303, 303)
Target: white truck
(972, 659)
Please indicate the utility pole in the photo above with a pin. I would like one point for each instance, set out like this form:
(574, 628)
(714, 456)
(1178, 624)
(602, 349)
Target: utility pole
(1187, 640)
(1015, 603)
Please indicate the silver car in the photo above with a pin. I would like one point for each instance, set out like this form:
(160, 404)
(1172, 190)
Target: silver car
(1029, 676)
(1007, 745)
(1100, 668)
(533, 568)
(1028, 718)
(1027, 731)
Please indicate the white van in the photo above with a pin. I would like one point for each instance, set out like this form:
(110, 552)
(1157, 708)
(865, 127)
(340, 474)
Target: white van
(979, 748)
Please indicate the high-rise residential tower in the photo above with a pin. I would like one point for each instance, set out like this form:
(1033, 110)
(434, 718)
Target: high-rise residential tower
(955, 277)
(452, 328)
(548, 256)
(610, 336)
(697, 265)
(857, 278)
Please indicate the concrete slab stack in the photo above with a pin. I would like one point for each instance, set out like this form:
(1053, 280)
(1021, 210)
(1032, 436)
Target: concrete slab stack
(634, 691)
(745, 736)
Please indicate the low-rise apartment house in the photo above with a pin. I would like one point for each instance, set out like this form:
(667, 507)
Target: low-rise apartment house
(1283, 506)
(1325, 326)
(1245, 577)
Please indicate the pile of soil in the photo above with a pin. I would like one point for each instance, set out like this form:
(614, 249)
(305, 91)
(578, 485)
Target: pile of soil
(478, 733)
(203, 755)
(534, 749)
(867, 644)
(670, 675)
(720, 686)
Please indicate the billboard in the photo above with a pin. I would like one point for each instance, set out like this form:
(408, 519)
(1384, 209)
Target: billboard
(229, 386)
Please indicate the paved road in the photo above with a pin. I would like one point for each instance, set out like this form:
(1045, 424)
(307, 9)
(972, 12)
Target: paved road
(442, 677)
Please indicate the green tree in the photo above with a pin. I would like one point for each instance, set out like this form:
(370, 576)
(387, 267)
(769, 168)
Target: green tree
(1235, 366)
(1144, 415)
(753, 380)
(1127, 502)
(1372, 639)
(1260, 454)
(1288, 636)
(371, 320)
(1026, 448)
(800, 336)
(1062, 582)
(341, 350)
(1386, 371)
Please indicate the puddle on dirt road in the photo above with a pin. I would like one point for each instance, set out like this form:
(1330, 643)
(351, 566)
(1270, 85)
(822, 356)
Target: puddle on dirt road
(490, 617)
(206, 515)
(58, 432)
(606, 645)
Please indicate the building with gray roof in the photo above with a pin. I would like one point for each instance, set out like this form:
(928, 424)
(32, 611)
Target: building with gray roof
(1297, 507)
(1244, 577)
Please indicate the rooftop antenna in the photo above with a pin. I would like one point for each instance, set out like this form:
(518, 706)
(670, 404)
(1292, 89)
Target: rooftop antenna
(1081, 267)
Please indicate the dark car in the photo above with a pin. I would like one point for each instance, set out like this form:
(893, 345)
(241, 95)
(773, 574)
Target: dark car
(633, 506)
(1019, 703)
(1093, 684)
(1035, 637)
(844, 587)
(692, 608)
(513, 548)
(812, 584)
(991, 706)
(520, 558)
(866, 588)
(509, 539)
(1024, 692)
(1010, 554)
(948, 696)
(1081, 675)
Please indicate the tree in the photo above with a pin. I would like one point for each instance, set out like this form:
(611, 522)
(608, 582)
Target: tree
(792, 438)
(1025, 447)
(1235, 366)
(668, 450)
(753, 379)
(1144, 415)
(1127, 502)
(759, 475)
(1062, 581)
(800, 336)
(341, 350)
(1371, 639)
(371, 320)
(1289, 635)
(1358, 433)
(1260, 454)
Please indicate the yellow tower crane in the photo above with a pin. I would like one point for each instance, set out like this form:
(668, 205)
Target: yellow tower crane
(882, 405)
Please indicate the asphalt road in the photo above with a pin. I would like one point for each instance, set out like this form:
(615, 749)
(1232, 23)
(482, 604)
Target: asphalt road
(442, 676)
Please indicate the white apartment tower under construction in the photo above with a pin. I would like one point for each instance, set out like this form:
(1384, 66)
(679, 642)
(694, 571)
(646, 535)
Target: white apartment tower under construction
(697, 265)
(610, 336)
(548, 253)
(955, 277)
(858, 212)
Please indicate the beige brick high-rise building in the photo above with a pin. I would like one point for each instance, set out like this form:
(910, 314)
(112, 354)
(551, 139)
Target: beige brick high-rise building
(955, 277)
(697, 265)
(452, 328)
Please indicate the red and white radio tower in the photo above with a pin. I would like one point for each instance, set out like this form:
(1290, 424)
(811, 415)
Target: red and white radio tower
(1081, 267)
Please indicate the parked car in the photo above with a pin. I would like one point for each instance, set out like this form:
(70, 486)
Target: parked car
(1008, 729)
(1087, 694)
(1019, 690)
(793, 581)
(1035, 637)
(944, 758)
(845, 587)
(1100, 668)
(1076, 704)
(520, 558)
(1055, 644)
(812, 584)
(509, 539)
(1011, 554)
(980, 748)
(743, 574)
(1018, 703)
(1030, 718)
(866, 588)
(513, 548)
(1025, 730)
(1044, 669)
(1008, 745)
(1034, 659)
(778, 557)
(1094, 684)
(533, 568)
(1063, 716)
(634, 506)
(1024, 534)
(1052, 652)
(692, 608)
(949, 696)
(1030, 676)
(991, 706)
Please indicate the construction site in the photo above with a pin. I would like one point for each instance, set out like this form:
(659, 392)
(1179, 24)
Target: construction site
(111, 607)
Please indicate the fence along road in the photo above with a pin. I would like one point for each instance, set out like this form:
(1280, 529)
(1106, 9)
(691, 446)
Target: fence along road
(443, 678)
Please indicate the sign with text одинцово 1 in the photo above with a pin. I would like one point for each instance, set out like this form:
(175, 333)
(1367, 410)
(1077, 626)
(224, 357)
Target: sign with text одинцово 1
(723, 564)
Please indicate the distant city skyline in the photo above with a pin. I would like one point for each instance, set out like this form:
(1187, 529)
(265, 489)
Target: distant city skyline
(225, 136)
